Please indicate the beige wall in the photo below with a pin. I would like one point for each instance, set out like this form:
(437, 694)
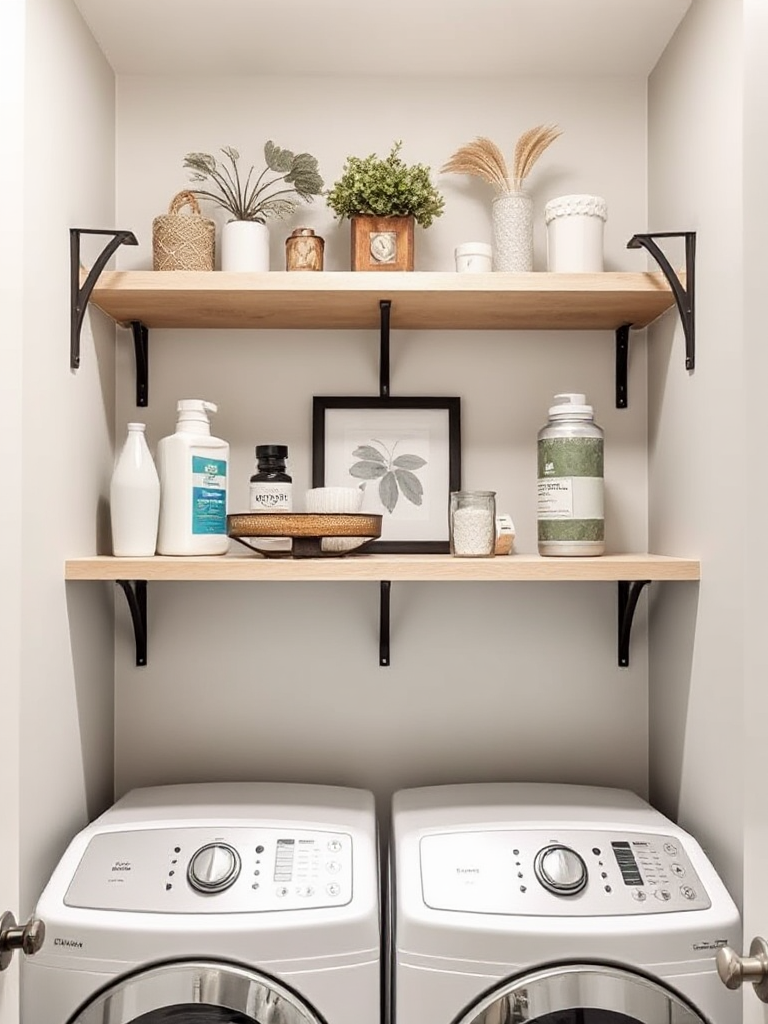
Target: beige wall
(11, 302)
(697, 468)
(65, 442)
(266, 681)
(755, 373)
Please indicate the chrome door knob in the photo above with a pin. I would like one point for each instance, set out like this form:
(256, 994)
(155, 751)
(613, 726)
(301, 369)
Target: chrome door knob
(213, 868)
(28, 938)
(734, 970)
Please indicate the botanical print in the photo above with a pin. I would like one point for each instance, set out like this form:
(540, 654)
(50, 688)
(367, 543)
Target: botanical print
(396, 473)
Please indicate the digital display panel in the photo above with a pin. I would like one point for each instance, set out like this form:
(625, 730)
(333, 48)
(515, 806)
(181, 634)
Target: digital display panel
(630, 872)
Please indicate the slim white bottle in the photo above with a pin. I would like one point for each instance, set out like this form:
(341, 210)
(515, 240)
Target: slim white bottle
(194, 472)
(134, 497)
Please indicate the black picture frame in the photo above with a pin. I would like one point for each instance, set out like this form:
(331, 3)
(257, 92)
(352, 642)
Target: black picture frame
(436, 431)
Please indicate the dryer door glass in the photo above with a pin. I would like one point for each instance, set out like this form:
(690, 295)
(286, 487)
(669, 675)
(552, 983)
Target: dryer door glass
(582, 994)
(195, 992)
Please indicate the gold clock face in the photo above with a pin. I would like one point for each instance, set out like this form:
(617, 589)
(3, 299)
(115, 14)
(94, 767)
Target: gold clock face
(383, 246)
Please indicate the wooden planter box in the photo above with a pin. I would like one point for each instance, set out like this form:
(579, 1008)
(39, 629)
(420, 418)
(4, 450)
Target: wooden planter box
(382, 243)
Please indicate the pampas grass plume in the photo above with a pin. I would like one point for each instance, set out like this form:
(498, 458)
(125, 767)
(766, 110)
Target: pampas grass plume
(483, 158)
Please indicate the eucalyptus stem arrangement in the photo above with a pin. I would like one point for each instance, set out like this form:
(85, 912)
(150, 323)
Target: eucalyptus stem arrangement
(483, 158)
(296, 179)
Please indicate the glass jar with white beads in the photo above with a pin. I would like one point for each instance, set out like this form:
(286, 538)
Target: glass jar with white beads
(473, 524)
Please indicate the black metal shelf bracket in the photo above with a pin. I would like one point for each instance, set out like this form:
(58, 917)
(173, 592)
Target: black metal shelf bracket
(385, 307)
(684, 295)
(141, 349)
(629, 593)
(622, 365)
(136, 594)
(80, 294)
(385, 589)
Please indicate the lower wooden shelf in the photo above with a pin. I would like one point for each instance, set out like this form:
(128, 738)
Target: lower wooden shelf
(630, 572)
(414, 568)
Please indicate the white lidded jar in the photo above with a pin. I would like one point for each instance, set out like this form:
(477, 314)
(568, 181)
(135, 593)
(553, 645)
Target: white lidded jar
(571, 519)
(134, 497)
(194, 473)
(575, 226)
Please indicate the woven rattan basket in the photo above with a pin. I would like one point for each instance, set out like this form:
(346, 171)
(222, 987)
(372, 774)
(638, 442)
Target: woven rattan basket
(183, 241)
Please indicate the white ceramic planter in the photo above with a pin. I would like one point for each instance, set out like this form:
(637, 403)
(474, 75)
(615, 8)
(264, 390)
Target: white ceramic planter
(512, 222)
(245, 246)
(575, 234)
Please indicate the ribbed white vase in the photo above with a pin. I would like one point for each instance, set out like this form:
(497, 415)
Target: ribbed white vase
(245, 246)
(512, 223)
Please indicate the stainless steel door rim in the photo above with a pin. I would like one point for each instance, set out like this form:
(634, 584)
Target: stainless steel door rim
(152, 991)
(559, 988)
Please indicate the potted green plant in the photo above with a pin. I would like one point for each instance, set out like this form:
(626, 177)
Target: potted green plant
(383, 197)
(288, 179)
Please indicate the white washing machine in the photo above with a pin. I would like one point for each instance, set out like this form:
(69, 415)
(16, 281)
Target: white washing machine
(214, 904)
(555, 904)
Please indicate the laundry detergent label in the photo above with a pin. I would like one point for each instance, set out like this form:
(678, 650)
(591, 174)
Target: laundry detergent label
(209, 495)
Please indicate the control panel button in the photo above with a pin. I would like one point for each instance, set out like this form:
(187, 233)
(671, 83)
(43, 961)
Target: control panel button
(333, 867)
(663, 894)
(677, 869)
(687, 892)
(334, 845)
(639, 895)
(671, 849)
(333, 888)
(560, 870)
(281, 890)
(213, 868)
(305, 890)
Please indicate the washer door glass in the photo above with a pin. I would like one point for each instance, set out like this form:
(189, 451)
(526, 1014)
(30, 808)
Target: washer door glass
(582, 994)
(195, 992)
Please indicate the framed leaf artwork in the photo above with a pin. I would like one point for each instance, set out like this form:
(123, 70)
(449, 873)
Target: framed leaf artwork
(403, 453)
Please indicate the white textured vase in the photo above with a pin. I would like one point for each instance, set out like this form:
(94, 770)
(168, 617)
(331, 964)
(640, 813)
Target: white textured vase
(134, 497)
(575, 234)
(245, 246)
(512, 222)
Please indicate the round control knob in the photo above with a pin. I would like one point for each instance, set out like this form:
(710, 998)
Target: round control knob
(213, 868)
(560, 870)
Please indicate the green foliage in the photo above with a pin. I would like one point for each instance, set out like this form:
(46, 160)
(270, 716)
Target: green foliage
(385, 188)
(247, 200)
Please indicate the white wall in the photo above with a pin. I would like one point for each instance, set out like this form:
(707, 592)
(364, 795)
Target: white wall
(11, 302)
(66, 647)
(697, 468)
(755, 373)
(266, 681)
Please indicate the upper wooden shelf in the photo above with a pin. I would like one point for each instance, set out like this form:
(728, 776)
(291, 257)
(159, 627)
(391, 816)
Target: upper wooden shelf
(420, 300)
(435, 568)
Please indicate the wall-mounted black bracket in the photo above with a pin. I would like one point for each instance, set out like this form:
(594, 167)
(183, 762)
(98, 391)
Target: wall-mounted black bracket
(622, 365)
(385, 307)
(385, 589)
(80, 294)
(629, 592)
(141, 349)
(136, 594)
(684, 295)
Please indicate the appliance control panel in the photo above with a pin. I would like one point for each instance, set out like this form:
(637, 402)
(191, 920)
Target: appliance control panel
(559, 871)
(214, 870)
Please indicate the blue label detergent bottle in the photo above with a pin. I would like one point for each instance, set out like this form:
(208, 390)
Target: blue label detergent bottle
(193, 467)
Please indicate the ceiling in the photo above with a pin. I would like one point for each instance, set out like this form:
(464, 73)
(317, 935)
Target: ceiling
(339, 38)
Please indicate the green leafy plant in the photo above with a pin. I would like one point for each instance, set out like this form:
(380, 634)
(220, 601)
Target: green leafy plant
(296, 179)
(394, 473)
(385, 187)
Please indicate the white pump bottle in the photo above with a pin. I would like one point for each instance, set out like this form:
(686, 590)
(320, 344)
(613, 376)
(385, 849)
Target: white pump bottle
(194, 468)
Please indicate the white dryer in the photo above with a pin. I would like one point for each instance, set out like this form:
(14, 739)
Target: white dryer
(214, 903)
(555, 904)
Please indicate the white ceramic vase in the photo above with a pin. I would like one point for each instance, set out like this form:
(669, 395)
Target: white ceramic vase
(575, 234)
(134, 497)
(245, 246)
(512, 223)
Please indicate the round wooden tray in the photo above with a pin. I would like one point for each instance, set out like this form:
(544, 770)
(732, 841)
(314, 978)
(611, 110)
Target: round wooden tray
(306, 530)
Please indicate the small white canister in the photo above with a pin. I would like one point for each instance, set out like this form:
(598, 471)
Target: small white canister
(473, 258)
(575, 234)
